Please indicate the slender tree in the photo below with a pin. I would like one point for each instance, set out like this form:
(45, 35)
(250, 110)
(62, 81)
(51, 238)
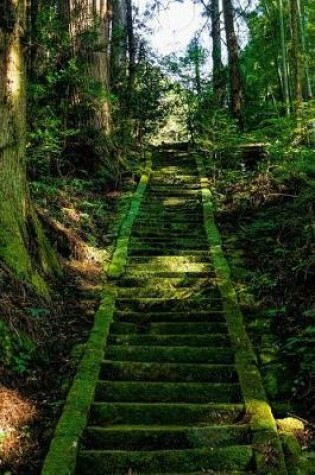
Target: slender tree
(233, 60)
(284, 61)
(131, 47)
(216, 49)
(296, 57)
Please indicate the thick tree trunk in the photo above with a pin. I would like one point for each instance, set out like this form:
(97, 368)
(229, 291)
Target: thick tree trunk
(98, 63)
(22, 243)
(91, 16)
(233, 59)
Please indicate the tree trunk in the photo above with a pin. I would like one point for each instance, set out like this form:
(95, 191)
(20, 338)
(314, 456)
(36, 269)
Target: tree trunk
(233, 59)
(22, 243)
(118, 50)
(284, 61)
(98, 61)
(216, 50)
(307, 88)
(131, 56)
(296, 59)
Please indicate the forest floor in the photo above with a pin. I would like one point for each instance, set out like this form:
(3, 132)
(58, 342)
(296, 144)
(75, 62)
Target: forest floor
(42, 356)
(266, 219)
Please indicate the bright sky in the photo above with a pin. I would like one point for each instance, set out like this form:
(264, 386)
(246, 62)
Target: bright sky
(176, 26)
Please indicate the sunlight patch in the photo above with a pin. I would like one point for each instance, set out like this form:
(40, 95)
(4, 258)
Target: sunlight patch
(16, 413)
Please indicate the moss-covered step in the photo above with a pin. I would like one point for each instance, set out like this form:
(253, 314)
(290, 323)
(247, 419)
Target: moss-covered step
(166, 260)
(139, 391)
(175, 283)
(104, 413)
(174, 263)
(163, 246)
(160, 178)
(130, 272)
(189, 315)
(191, 232)
(169, 304)
(163, 437)
(167, 292)
(168, 372)
(165, 251)
(170, 354)
(170, 340)
(168, 193)
(169, 328)
(164, 461)
(175, 187)
(170, 217)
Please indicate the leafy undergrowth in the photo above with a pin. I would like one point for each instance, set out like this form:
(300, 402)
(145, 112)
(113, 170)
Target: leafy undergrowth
(41, 341)
(266, 218)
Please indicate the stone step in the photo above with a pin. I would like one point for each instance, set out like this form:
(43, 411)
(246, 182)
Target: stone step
(168, 372)
(166, 274)
(170, 340)
(181, 232)
(170, 354)
(189, 316)
(103, 413)
(169, 304)
(170, 246)
(175, 283)
(100, 462)
(168, 328)
(166, 250)
(164, 437)
(167, 293)
(147, 391)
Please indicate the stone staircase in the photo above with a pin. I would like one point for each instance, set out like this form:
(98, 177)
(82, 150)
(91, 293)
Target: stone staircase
(169, 399)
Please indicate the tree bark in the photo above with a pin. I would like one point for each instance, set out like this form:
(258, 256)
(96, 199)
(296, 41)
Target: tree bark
(296, 58)
(118, 52)
(216, 50)
(284, 61)
(233, 60)
(23, 246)
(131, 55)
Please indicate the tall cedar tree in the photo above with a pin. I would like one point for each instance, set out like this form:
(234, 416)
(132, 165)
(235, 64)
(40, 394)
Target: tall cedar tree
(22, 243)
(234, 62)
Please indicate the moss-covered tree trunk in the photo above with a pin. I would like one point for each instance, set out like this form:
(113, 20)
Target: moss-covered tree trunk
(23, 246)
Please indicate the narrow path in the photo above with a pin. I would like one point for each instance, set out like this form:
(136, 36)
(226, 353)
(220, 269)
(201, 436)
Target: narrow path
(178, 391)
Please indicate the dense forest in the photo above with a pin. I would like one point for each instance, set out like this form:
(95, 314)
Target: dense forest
(84, 102)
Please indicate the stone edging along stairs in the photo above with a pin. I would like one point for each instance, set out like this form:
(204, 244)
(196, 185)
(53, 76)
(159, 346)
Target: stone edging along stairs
(168, 383)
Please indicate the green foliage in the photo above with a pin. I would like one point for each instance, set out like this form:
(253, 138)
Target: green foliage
(16, 349)
(64, 98)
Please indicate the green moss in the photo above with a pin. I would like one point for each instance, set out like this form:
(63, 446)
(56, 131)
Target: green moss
(145, 462)
(290, 424)
(74, 417)
(118, 263)
(262, 421)
(63, 454)
(167, 392)
(166, 413)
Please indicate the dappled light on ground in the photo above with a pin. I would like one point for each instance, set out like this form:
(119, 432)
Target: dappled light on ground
(16, 414)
